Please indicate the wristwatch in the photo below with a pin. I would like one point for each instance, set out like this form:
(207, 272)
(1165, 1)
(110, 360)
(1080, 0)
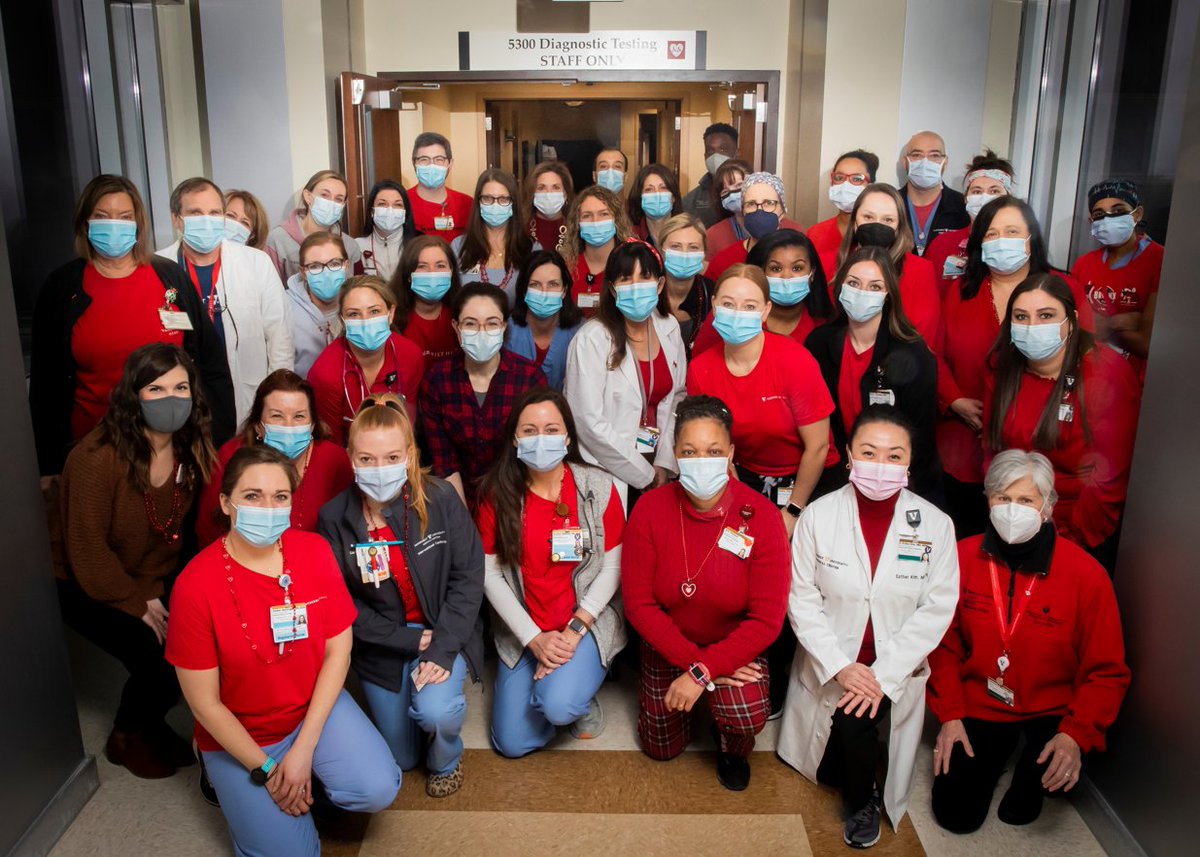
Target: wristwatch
(259, 775)
(700, 677)
(578, 626)
(793, 510)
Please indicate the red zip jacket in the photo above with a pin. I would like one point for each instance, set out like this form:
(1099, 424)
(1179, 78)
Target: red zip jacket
(1068, 657)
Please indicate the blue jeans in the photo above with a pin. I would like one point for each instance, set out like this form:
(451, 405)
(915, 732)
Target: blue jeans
(526, 714)
(405, 718)
(350, 759)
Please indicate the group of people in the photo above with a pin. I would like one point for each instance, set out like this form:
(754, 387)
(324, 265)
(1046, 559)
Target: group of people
(825, 474)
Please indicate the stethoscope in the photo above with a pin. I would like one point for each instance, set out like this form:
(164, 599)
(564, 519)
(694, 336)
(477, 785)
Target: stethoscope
(363, 392)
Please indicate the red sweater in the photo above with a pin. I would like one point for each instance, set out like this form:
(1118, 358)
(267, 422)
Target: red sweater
(826, 238)
(739, 604)
(874, 521)
(1091, 476)
(1067, 655)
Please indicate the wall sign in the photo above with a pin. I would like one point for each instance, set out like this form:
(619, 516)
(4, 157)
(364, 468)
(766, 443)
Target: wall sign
(626, 50)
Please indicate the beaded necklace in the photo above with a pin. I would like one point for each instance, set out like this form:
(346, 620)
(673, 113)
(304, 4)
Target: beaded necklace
(285, 583)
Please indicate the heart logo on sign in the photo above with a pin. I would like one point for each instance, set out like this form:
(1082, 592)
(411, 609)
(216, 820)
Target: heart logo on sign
(676, 49)
(688, 589)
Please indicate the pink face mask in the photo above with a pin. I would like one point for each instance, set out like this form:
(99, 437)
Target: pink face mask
(876, 480)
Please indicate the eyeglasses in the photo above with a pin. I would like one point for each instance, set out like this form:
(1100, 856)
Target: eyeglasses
(934, 156)
(768, 205)
(315, 268)
(488, 199)
(425, 161)
(372, 402)
(856, 179)
(1099, 214)
(492, 326)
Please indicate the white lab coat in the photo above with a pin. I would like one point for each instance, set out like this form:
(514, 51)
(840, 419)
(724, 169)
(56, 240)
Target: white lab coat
(607, 404)
(255, 318)
(910, 604)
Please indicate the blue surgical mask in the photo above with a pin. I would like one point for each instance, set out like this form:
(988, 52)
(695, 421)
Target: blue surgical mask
(1113, 231)
(788, 291)
(367, 334)
(976, 203)
(761, 223)
(1037, 341)
(482, 345)
(432, 176)
(430, 285)
(112, 238)
(262, 526)
(549, 202)
(860, 304)
(542, 452)
(657, 205)
(612, 180)
(732, 202)
(637, 300)
(925, 174)
(382, 484)
(204, 232)
(326, 212)
(236, 231)
(496, 214)
(543, 304)
(682, 265)
(387, 219)
(737, 326)
(325, 285)
(599, 232)
(1004, 255)
(703, 478)
(290, 440)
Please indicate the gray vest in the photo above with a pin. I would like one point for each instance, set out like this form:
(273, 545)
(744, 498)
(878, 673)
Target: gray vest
(593, 488)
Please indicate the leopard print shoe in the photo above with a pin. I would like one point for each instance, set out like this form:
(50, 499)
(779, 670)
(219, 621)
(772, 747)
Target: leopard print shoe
(444, 785)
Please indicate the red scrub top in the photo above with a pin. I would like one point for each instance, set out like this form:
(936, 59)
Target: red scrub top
(1127, 288)
(434, 336)
(586, 286)
(457, 206)
(826, 238)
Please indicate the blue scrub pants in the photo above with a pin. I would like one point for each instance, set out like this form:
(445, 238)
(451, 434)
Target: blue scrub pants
(408, 719)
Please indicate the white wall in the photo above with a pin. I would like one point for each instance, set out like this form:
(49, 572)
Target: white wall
(182, 107)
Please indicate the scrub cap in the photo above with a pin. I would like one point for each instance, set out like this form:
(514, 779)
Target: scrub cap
(764, 178)
(996, 175)
(1113, 189)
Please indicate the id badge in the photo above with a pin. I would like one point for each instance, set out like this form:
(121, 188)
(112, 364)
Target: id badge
(1066, 413)
(443, 223)
(588, 300)
(174, 320)
(914, 549)
(997, 690)
(783, 495)
(881, 397)
(738, 544)
(289, 622)
(566, 545)
(373, 563)
(954, 266)
(647, 439)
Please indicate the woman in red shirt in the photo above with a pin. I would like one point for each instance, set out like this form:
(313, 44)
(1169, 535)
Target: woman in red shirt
(597, 219)
(549, 192)
(653, 198)
(260, 639)
(851, 174)
(551, 528)
(1058, 680)
(284, 417)
(1054, 391)
(424, 284)
(369, 357)
(762, 213)
(704, 581)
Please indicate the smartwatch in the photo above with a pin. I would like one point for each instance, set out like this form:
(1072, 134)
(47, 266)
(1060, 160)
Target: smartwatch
(700, 677)
(793, 510)
(259, 775)
(578, 626)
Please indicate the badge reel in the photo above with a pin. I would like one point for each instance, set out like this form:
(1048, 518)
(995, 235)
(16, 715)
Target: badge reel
(289, 621)
(996, 687)
(647, 439)
(567, 544)
(881, 395)
(738, 542)
(374, 562)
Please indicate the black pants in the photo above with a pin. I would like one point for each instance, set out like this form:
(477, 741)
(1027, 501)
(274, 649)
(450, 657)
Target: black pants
(152, 688)
(961, 798)
(852, 755)
(966, 506)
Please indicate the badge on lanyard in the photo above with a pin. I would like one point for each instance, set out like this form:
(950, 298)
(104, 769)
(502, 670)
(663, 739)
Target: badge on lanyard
(954, 266)
(443, 223)
(374, 561)
(588, 300)
(995, 686)
(647, 439)
(289, 622)
(881, 397)
(566, 544)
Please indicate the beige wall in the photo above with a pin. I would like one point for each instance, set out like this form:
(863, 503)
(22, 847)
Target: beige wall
(182, 106)
(1003, 55)
(308, 117)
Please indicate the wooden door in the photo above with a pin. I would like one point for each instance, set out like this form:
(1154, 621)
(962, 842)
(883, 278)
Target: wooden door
(369, 113)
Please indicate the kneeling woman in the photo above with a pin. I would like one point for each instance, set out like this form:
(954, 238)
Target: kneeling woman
(260, 640)
(704, 581)
(551, 528)
(1058, 682)
(866, 621)
(411, 559)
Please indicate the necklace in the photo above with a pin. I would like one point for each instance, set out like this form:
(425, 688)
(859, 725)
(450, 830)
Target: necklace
(688, 587)
(560, 508)
(174, 520)
(285, 583)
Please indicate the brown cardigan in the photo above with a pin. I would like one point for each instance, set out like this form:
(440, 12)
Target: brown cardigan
(104, 541)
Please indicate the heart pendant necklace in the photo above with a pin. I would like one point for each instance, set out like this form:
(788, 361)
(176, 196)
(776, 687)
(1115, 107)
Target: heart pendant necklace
(688, 587)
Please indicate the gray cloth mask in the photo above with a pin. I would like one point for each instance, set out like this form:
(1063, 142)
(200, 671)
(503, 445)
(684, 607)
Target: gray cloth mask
(166, 414)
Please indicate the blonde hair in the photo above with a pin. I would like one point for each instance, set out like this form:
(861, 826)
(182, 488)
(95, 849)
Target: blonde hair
(753, 273)
(256, 213)
(387, 412)
(571, 242)
(683, 221)
(367, 281)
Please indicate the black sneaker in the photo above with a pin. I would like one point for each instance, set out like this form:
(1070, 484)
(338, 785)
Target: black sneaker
(1020, 806)
(733, 772)
(206, 787)
(862, 828)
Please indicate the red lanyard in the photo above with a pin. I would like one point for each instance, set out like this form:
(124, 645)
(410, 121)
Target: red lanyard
(1008, 629)
(646, 392)
(212, 292)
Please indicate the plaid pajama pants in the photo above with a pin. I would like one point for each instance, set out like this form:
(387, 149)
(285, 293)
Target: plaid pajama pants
(740, 712)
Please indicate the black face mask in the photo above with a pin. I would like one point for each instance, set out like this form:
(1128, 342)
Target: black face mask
(875, 235)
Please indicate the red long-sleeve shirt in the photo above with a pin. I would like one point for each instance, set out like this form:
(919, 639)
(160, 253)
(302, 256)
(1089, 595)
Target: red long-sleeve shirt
(1067, 655)
(826, 238)
(1091, 476)
(738, 605)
